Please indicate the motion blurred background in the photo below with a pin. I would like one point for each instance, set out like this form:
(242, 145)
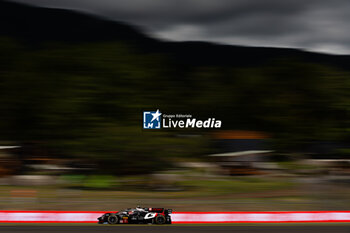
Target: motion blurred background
(73, 86)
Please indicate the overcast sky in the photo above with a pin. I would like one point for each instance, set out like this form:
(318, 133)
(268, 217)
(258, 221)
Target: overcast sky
(316, 25)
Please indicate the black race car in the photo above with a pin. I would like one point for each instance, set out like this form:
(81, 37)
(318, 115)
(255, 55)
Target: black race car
(137, 216)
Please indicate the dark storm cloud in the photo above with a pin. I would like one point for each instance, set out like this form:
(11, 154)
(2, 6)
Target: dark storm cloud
(311, 24)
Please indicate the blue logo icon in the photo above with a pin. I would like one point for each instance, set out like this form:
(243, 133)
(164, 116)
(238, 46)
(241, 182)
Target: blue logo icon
(151, 120)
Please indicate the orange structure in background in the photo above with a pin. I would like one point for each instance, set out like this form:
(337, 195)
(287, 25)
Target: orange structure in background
(239, 134)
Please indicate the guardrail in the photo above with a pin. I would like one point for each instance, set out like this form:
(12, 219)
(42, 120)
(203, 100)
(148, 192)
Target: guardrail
(180, 217)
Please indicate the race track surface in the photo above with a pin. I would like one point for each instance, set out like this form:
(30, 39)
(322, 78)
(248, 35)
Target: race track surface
(178, 229)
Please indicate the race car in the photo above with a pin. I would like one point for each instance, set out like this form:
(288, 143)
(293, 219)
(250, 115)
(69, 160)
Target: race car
(137, 216)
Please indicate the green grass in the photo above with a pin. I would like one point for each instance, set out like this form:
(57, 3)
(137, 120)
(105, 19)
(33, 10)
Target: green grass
(190, 187)
(198, 193)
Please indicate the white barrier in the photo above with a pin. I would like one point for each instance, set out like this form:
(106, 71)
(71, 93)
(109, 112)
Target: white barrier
(48, 216)
(180, 217)
(256, 217)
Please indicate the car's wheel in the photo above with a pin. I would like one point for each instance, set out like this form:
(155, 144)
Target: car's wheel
(160, 219)
(113, 219)
(168, 221)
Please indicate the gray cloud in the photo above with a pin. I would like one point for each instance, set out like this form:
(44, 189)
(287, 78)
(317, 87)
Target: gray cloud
(317, 25)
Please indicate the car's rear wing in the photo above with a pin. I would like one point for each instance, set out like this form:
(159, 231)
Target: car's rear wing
(169, 211)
